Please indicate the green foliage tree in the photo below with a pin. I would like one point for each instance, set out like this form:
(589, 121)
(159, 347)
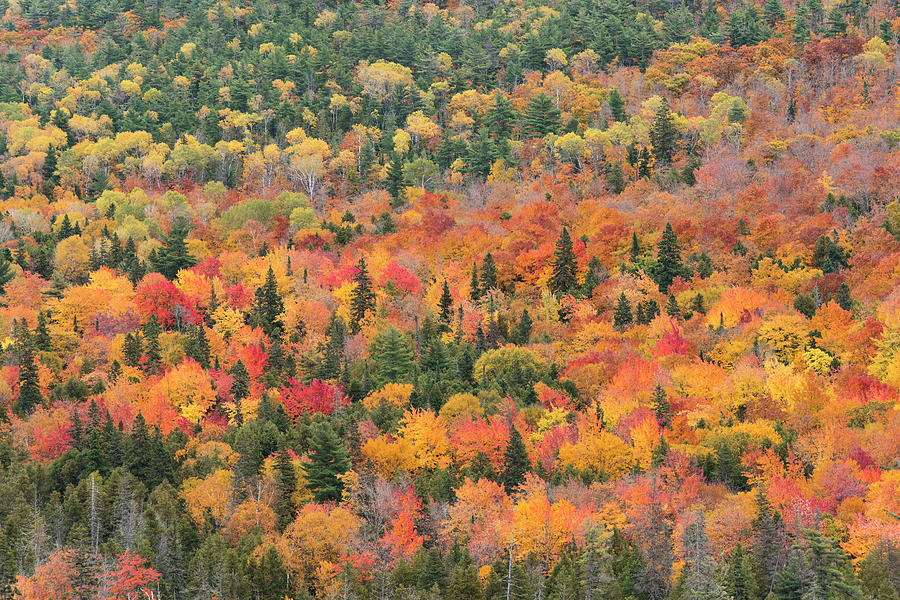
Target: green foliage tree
(565, 276)
(328, 460)
(363, 299)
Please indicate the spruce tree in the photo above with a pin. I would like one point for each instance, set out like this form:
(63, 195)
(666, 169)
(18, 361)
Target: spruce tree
(474, 290)
(739, 579)
(6, 273)
(622, 317)
(501, 116)
(488, 273)
(240, 382)
(617, 106)
(42, 339)
(541, 117)
(515, 462)
(659, 403)
(523, 330)
(663, 134)
(564, 276)
(700, 581)
(175, 256)
(30, 395)
(197, 345)
(285, 486)
(395, 178)
(672, 308)
(445, 306)
(668, 259)
(152, 351)
(363, 299)
(328, 460)
(132, 349)
(268, 306)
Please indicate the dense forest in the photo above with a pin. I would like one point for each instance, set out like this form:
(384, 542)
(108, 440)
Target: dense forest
(478, 300)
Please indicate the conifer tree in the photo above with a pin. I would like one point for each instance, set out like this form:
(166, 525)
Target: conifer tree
(6, 273)
(132, 349)
(622, 317)
(30, 395)
(285, 486)
(663, 134)
(474, 290)
(659, 402)
(240, 382)
(488, 273)
(500, 116)
(564, 276)
(515, 462)
(328, 460)
(739, 579)
(363, 299)
(672, 308)
(541, 117)
(175, 256)
(268, 306)
(395, 178)
(197, 345)
(152, 351)
(523, 330)
(668, 259)
(445, 306)
(42, 339)
(617, 106)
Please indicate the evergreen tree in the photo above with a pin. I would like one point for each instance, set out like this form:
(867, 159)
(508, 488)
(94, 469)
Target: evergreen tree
(617, 106)
(564, 582)
(672, 308)
(482, 153)
(622, 317)
(268, 306)
(659, 403)
(663, 135)
(30, 395)
(240, 380)
(488, 273)
(837, 25)
(593, 276)
(564, 276)
(42, 339)
(615, 178)
(772, 12)
(285, 487)
(668, 259)
(6, 273)
(474, 290)
(700, 582)
(523, 330)
(541, 117)
(152, 351)
(197, 345)
(132, 349)
(395, 178)
(445, 306)
(768, 540)
(843, 298)
(363, 299)
(740, 580)
(175, 256)
(500, 116)
(48, 170)
(328, 460)
(515, 462)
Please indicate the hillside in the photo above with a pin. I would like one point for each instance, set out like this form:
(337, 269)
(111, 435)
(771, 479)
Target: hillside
(533, 300)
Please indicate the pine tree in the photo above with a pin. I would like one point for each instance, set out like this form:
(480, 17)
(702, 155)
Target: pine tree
(197, 345)
(363, 299)
(772, 12)
(672, 308)
(700, 582)
(541, 117)
(240, 382)
(328, 460)
(523, 330)
(500, 116)
(30, 395)
(659, 403)
(285, 487)
(768, 540)
(668, 259)
(6, 273)
(482, 153)
(42, 339)
(395, 178)
(622, 317)
(132, 349)
(175, 256)
(564, 582)
(515, 462)
(488, 273)
(843, 298)
(268, 306)
(48, 170)
(615, 178)
(837, 25)
(740, 580)
(663, 134)
(152, 351)
(617, 106)
(564, 276)
(445, 306)
(474, 290)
